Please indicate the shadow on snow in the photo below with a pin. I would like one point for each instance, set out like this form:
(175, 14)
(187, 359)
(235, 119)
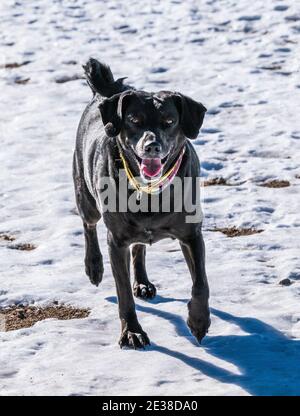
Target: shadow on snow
(268, 361)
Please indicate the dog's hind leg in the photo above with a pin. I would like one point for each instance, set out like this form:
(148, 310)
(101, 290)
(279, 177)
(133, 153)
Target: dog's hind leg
(93, 257)
(142, 287)
(90, 216)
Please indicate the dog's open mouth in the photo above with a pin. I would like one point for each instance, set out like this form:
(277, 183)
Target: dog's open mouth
(151, 168)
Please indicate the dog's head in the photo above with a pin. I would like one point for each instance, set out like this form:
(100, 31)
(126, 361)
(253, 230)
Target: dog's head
(151, 126)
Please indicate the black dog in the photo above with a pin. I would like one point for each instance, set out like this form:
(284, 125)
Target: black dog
(147, 135)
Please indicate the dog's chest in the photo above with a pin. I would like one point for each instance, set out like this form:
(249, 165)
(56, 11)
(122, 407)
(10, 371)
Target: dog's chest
(139, 229)
(150, 236)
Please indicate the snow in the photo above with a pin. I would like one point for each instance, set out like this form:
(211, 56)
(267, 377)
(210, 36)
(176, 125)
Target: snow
(240, 59)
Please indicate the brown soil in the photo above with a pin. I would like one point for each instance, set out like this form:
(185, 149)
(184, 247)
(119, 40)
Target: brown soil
(12, 65)
(236, 232)
(17, 317)
(22, 246)
(22, 81)
(219, 181)
(6, 237)
(214, 181)
(275, 184)
(64, 79)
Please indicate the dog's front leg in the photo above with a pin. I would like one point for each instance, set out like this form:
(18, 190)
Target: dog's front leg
(194, 252)
(132, 334)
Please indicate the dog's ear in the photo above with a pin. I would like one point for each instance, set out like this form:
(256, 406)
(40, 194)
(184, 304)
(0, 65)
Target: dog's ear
(112, 110)
(191, 115)
(110, 117)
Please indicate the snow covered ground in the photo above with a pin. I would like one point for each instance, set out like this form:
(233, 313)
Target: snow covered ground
(241, 59)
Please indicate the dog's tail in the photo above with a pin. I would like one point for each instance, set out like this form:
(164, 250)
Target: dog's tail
(101, 80)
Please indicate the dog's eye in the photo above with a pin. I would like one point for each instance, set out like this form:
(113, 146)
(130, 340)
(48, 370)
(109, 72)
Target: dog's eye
(134, 120)
(168, 122)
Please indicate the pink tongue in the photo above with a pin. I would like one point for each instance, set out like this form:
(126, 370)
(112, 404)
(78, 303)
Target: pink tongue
(151, 167)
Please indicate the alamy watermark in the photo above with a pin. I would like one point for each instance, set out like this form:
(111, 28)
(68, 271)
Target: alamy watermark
(121, 195)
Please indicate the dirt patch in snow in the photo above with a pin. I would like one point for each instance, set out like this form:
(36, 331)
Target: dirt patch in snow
(219, 180)
(276, 184)
(22, 246)
(236, 232)
(66, 78)
(17, 317)
(214, 181)
(7, 237)
(13, 65)
(22, 81)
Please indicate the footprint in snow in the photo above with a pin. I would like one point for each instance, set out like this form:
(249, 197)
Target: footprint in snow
(211, 165)
(213, 111)
(264, 55)
(198, 41)
(295, 135)
(48, 262)
(200, 142)
(158, 70)
(248, 28)
(125, 29)
(281, 8)
(268, 210)
(293, 18)
(250, 18)
(211, 131)
(282, 50)
(230, 104)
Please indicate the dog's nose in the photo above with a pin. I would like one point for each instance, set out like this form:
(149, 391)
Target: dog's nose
(152, 148)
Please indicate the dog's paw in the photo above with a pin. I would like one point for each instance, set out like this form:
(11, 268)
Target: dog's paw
(134, 339)
(142, 291)
(94, 270)
(199, 326)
